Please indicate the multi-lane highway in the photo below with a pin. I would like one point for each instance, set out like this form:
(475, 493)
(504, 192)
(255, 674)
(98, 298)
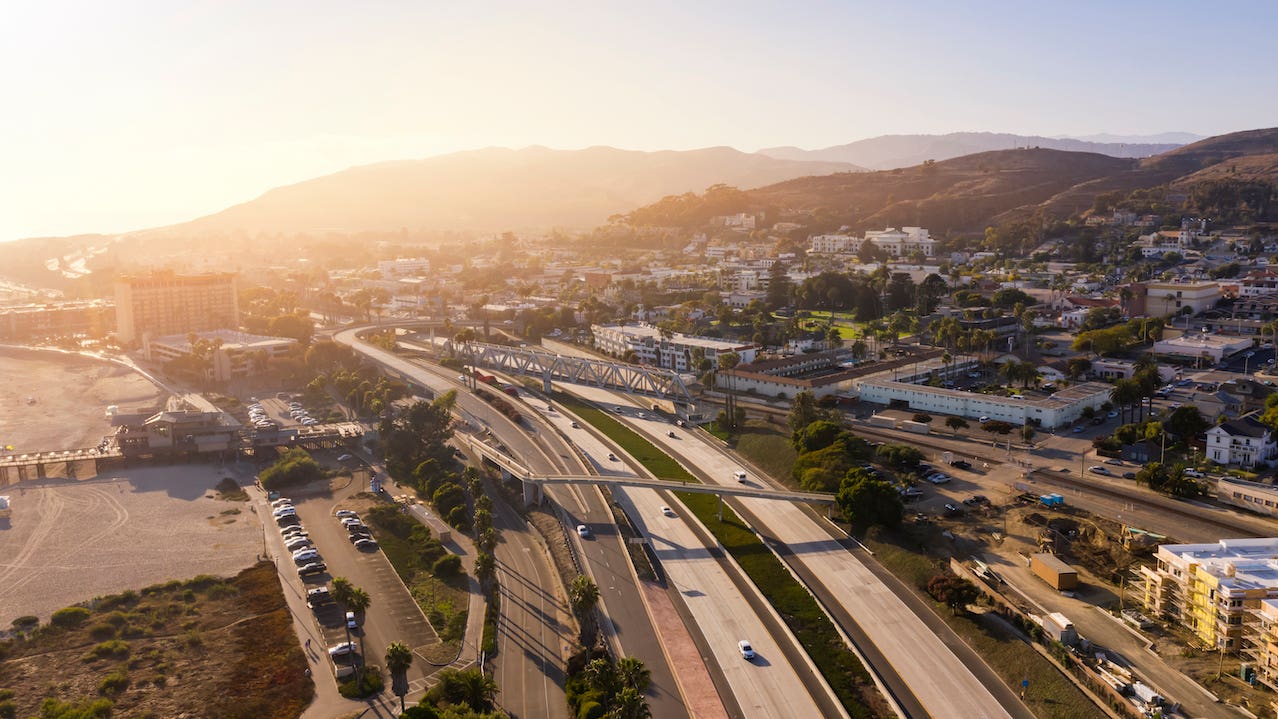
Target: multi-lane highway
(533, 619)
(923, 671)
(780, 682)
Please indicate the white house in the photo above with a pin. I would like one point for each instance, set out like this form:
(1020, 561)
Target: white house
(1244, 442)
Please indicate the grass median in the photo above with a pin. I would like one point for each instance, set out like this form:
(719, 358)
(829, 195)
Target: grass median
(814, 630)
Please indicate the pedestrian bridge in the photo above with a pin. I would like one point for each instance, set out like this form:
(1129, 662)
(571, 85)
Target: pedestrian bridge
(533, 482)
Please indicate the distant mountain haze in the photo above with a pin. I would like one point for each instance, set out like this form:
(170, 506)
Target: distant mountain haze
(892, 151)
(498, 189)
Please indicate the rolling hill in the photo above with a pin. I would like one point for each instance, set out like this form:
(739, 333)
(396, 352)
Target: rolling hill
(499, 189)
(892, 151)
(967, 194)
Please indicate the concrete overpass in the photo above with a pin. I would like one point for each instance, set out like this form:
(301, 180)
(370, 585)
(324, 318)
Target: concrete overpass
(533, 482)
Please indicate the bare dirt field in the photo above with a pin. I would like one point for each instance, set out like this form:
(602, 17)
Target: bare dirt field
(70, 541)
(54, 401)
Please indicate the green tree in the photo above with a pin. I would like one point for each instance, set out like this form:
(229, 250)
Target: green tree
(470, 688)
(952, 591)
(628, 704)
(398, 659)
(956, 423)
(358, 601)
(632, 673)
(867, 501)
(1186, 422)
(583, 597)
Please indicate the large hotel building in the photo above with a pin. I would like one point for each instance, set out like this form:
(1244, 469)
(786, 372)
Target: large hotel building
(165, 303)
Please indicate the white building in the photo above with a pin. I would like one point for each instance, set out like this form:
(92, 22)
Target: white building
(674, 351)
(1254, 496)
(1243, 442)
(894, 242)
(1195, 346)
(403, 267)
(1057, 410)
(235, 354)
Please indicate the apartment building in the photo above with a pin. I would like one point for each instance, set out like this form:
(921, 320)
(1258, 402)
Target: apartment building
(1171, 298)
(165, 303)
(22, 323)
(235, 354)
(1252, 496)
(669, 350)
(1213, 590)
(897, 243)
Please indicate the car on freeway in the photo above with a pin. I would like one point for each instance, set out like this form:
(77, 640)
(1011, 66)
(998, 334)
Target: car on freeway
(366, 543)
(983, 419)
(617, 410)
(746, 649)
(305, 556)
(583, 531)
(670, 433)
(343, 649)
(612, 457)
(1129, 475)
(1097, 469)
(311, 569)
(351, 623)
(575, 425)
(667, 511)
(345, 513)
(1114, 461)
(740, 477)
(1078, 429)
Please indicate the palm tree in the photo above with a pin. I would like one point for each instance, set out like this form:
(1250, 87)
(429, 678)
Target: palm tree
(632, 673)
(583, 596)
(485, 568)
(358, 601)
(341, 589)
(628, 704)
(398, 659)
(1125, 393)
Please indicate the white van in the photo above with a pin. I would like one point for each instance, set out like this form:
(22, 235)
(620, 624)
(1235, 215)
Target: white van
(739, 476)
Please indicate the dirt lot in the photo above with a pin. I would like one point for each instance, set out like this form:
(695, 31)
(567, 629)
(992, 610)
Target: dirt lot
(70, 393)
(70, 541)
(203, 648)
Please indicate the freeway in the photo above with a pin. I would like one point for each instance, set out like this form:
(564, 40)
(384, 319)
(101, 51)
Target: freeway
(781, 682)
(924, 673)
(534, 611)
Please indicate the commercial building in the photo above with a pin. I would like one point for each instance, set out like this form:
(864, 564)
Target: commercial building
(821, 373)
(165, 303)
(1253, 496)
(1213, 589)
(232, 355)
(177, 432)
(1196, 346)
(23, 323)
(896, 243)
(403, 267)
(1242, 442)
(1053, 411)
(1172, 298)
(669, 350)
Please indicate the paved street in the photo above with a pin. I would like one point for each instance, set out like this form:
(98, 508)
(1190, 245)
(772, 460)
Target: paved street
(937, 678)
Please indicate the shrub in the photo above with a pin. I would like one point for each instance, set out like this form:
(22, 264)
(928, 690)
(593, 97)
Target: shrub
(102, 631)
(446, 567)
(111, 649)
(113, 683)
(8, 710)
(296, 466)
(26, 623)
(590, 710)
(69, 617)
(372, 684)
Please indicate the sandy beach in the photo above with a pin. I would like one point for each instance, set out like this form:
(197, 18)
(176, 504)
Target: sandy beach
(53, 401)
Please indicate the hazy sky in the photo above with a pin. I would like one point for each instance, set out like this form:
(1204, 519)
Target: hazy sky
(122, 115)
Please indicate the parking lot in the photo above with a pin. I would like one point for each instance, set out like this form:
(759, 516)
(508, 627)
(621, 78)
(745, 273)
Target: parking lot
(393, 614)
(69, 542)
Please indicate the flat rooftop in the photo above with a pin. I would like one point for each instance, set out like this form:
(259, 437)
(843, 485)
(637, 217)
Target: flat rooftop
(653, 333)
(230, 338)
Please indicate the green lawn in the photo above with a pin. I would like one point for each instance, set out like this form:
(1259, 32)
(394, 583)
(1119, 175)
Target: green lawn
(769, 449)
(818, 636)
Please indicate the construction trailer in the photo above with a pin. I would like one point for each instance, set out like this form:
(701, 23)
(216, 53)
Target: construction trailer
(1052, 570)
